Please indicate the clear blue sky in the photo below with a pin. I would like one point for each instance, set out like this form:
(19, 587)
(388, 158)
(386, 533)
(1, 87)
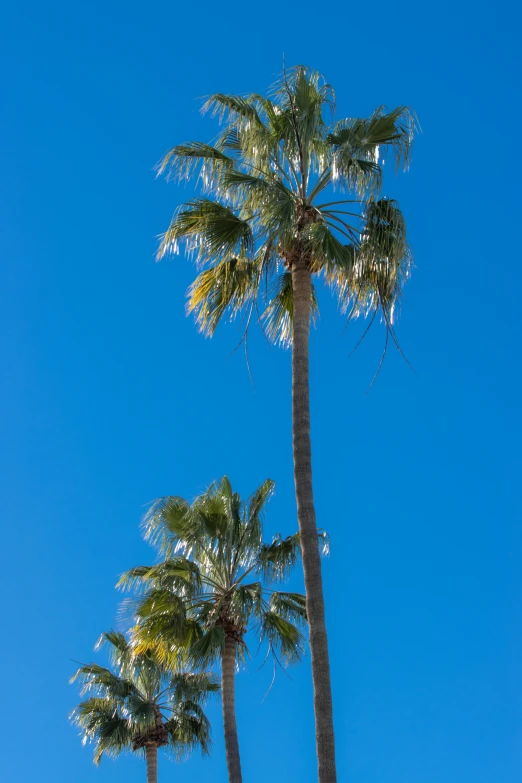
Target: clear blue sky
(110, 398)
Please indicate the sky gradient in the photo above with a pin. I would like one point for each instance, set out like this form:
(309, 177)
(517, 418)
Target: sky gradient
(110, 398)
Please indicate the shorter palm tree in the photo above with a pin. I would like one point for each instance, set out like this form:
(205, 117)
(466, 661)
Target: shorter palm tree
(141, 706)
(215, 586)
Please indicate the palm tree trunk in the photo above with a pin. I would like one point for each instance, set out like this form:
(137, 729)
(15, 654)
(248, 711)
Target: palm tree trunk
(228, 672)
(151, 752)
(324, 732)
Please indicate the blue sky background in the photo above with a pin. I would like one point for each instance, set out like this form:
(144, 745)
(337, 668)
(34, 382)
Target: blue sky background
(110, 398)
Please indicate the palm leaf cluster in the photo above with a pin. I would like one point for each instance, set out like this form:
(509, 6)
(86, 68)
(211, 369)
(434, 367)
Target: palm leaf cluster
(216, 580)
(139, 702)
(267, 196)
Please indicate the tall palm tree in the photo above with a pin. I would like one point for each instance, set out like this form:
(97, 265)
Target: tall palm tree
(265, 228)
(141, 706)
(214, 586)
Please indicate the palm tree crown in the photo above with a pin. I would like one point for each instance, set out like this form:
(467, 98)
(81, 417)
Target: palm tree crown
(215, 580)
(140, 703)
(263, 205)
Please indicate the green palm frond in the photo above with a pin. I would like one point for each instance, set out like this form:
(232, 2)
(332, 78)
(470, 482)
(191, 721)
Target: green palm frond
(210, 230)
(234, 106)
(302, 97)
(182, 161)
(351, 171)
(207, 650)
(230, 139)
(359, 141)
(170, 643)
(193, 686)
(101, 723)
(257, 501)
(117, 643)
(163, 602)
(327, 251)
(283, 636)
(383, 263)
(226, 288)
(245, 131)
(189, 728)
(102, 682)
(142, 711)
(247, 601)
(278, 315)
(289, 606)
(177, 572)
(164, 520)
(277, 558)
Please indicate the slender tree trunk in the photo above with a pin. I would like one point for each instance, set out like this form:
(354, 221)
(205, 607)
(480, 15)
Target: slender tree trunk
(228, 673)
(151, 752)
(324, 732)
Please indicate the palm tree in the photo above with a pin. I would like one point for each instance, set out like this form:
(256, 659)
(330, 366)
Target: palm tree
(265, 228)
(214, 586)
(141, 706)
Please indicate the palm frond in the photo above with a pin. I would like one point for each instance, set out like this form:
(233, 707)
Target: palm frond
(102, 682)
(162, 636)
(289, 606)
(302, 97)
(246, 601)
(101, 723)
(357, 145)
(226, 288)
(161, 601)
(258, 499)
(234, 106)
(394, 130)
(119, 649)
(165, 521)
(277, 558)
(283, 636)
(189, 728)
(327, 251)
(207, 650)
(142, 712)
(211, 231)
(176, 573)
(193, 686)
(183, 160)
(278, 315)
(382, 262)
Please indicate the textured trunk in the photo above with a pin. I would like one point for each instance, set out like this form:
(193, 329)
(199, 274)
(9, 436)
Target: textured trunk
(302, 283)
(228, 672)
(151, 752)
